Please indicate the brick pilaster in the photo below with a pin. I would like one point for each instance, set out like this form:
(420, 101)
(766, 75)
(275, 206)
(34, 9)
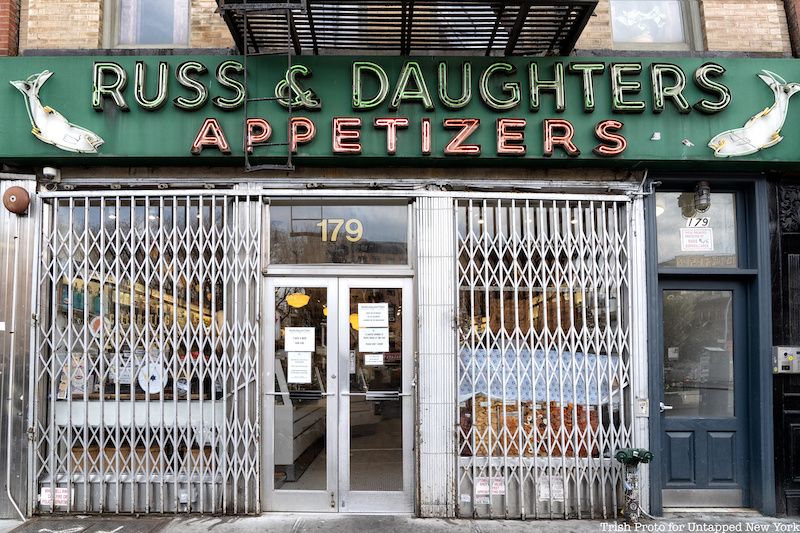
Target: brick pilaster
(792, 8)
(9, 27)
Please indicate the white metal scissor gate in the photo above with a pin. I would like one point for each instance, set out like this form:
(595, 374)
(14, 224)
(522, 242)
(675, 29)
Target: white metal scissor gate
(145, 378)
(544, 355)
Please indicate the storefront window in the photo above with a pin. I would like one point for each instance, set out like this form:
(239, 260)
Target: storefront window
(147, 347)
(543, 340)
(689, 237)
(339, 232)
(136, 290)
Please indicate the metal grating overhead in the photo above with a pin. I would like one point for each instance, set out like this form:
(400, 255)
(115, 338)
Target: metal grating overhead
(409, 27)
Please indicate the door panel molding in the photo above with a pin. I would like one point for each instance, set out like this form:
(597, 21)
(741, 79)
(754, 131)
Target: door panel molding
(721, 452)
(701, 498)
(681, 456)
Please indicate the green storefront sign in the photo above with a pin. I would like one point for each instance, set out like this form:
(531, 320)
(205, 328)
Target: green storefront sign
(391, 110)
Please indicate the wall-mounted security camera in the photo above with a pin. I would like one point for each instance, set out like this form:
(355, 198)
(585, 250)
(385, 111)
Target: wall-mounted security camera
(51, 173)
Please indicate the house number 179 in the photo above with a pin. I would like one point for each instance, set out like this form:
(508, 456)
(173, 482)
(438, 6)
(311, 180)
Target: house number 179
(332, 228)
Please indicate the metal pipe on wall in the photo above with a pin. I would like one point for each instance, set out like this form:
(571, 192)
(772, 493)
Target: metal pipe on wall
(11, 358)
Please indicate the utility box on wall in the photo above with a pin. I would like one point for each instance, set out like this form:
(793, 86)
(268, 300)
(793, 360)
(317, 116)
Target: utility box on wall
(786, 359)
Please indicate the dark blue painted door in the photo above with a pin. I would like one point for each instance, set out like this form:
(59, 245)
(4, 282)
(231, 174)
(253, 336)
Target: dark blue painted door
(704, 452)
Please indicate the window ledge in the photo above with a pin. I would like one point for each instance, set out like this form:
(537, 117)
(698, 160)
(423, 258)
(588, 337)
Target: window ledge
(711, 272)
(127, 51)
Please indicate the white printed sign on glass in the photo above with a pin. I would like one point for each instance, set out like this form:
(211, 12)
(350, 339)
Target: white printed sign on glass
(62, 497)
(550, 486)
(373, 315)
(373, 359)
(697, 240)
(498, 486)
(298, 367)
(373, 340)
(299, 340)
(482, 486)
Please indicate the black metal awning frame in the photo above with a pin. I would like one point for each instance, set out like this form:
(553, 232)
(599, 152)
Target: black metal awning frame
(407, 27)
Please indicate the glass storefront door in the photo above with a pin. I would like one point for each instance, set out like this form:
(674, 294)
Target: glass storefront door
(338, 405)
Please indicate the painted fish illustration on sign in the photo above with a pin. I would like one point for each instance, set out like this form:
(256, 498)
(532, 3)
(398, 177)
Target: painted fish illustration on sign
(50, 126)
(763, 130)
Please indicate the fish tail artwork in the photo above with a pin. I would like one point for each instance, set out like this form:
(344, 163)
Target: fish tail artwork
(50, 126)
(763, 129)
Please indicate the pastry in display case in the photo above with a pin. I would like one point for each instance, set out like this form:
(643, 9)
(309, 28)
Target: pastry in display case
(495, 405)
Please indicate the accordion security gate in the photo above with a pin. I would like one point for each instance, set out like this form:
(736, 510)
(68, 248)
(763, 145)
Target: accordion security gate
(145, 380)
(544, 355)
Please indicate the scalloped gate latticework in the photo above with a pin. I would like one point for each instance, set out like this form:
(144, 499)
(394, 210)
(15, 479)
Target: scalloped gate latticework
(146, 367)
(544, 356)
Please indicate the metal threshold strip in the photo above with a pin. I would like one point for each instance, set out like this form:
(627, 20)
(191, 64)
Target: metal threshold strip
(408, 27)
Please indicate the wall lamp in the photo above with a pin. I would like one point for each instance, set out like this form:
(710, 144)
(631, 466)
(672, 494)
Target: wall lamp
(702, 196)
(697, 202)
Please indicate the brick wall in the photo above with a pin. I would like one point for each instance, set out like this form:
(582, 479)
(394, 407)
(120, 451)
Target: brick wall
(208, 28)
(729, 25)
(597, 34)
(745, 25)
(62, 24)
(9, 27)
(23, 25)
(79, 24)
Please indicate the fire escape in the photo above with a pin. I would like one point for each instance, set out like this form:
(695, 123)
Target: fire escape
(407, 27)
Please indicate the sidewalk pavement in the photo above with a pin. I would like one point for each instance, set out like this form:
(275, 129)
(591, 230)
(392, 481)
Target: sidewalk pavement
(706, 522)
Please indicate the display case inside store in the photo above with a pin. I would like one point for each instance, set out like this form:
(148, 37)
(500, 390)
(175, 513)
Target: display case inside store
(106, 318)
(173, 384)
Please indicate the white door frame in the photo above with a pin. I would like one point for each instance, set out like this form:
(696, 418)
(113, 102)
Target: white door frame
(338, 496)
(298, 500)
(377, 501)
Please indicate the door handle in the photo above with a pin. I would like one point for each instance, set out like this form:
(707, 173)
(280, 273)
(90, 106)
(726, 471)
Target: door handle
(378, 395)
(313, 395)
(662, 407)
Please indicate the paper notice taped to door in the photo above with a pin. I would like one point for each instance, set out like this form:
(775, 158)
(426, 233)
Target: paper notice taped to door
(373, 315)
(550, 487)
(373, 359)
(373, 340)
(298, 367)
(299, 340)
